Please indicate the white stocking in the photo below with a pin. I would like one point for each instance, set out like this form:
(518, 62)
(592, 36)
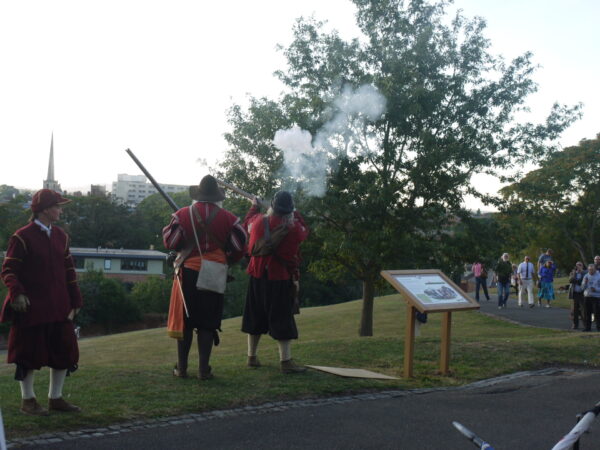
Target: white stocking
(27, 385)
(253, 340)
(285, 350)
(57, 380)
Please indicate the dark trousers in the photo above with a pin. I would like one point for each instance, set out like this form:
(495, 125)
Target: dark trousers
(503, 292)
(592, 306)
(577, 309)
(481, 282)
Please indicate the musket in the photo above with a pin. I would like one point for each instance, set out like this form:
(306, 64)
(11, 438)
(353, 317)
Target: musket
(172, 204)
(249, 196)
(160, 190)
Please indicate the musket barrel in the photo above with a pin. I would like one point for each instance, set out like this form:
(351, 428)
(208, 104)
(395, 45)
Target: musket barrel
(160, 190)
(239, 191)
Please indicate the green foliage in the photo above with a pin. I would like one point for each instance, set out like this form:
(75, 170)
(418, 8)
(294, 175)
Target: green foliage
(558, 205)
(13, 215)
(105, 302)
(152, 295)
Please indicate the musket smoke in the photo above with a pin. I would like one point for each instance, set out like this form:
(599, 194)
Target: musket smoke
(308, 161)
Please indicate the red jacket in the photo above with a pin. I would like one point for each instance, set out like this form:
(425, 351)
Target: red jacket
(287, 259)
(40, 267)
(225, 227)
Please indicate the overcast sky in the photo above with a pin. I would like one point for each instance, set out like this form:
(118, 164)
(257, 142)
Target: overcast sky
(159, 76)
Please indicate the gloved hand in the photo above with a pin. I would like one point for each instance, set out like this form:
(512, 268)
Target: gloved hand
(72, 314)
(20, 304)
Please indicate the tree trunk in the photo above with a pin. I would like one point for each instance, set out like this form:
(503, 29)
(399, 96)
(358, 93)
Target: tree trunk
(366, 319)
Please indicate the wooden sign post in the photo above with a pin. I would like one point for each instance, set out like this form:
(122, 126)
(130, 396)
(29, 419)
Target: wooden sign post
(428, 291)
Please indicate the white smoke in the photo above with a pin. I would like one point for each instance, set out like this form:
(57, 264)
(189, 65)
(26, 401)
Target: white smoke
(307, 162)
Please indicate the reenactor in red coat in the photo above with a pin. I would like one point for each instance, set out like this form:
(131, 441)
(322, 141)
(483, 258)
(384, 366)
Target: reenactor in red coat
(43, 297)
(273, 271)
(201, 233)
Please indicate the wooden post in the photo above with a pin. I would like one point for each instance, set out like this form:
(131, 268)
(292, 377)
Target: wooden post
(409, 341)
(445, 344)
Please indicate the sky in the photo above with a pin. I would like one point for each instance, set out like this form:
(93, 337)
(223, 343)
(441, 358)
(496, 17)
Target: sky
(159, 76)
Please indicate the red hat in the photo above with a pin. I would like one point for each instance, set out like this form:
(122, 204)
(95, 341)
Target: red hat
(45, 198)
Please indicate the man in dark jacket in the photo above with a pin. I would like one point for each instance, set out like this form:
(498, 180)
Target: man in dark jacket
(269, 304)
(43, 297)
(503, 273)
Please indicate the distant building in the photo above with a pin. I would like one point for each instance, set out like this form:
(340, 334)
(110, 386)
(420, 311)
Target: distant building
(124, 264)
(98, 190)
(132, 189)
(50, 182)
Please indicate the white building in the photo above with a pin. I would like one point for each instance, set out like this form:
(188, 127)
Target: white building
(132, 189)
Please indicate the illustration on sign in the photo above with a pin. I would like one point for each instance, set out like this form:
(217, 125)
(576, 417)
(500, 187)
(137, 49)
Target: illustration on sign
(430, 289)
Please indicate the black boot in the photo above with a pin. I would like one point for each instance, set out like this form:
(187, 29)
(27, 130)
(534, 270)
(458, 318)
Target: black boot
(183, 351)
(205, 345)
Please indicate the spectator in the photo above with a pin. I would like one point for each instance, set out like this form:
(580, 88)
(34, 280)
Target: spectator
(503, 273)
(576, 294)
(525, 273)
(597, 262)
(514, 279)
(480, 273)
(543, 258)
(546, 291)
(591, 294)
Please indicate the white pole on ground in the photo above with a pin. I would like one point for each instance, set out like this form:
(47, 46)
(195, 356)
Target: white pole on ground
(2, 437)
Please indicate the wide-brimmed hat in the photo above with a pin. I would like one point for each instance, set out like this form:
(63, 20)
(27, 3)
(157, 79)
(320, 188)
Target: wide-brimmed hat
(283, 203)
(45, 198)
(207, 191)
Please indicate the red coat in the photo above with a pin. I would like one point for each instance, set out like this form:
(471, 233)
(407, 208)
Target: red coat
(40, 267)
(287, 259)
(225, 227)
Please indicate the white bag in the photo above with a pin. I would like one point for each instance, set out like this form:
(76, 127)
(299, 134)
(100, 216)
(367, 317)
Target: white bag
(213, 275)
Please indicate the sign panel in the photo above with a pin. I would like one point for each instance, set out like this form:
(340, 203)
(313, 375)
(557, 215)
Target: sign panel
(429, 290)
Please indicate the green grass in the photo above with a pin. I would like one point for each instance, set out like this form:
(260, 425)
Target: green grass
(127, 376)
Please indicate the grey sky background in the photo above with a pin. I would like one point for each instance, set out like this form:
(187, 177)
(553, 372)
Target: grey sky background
(158, 76)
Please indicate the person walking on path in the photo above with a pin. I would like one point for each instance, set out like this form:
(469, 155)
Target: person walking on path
(525, 273)
(591, 294)
(576, 294)
(274, 246)
(546, 275)
(480, 274)
(514, 279)
(43, 298)
(202, 232)
(503, 273)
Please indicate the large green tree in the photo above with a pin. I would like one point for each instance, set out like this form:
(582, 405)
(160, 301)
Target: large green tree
(558, 204)
(395, 183)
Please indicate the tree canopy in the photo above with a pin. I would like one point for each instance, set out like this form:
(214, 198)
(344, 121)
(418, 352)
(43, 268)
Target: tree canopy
(394, 183)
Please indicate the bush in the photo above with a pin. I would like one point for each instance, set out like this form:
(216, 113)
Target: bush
(105, 302)
(152, 295)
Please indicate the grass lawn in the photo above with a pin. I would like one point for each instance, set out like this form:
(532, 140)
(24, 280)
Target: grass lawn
(128, 376)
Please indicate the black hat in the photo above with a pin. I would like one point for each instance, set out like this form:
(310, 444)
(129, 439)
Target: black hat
(207, 191)
(282, 203)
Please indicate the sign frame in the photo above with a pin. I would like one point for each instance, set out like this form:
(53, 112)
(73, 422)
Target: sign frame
(414, 303)
(468, 303)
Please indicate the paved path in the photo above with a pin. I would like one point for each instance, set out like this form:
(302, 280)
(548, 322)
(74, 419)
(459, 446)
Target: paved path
(557, 318)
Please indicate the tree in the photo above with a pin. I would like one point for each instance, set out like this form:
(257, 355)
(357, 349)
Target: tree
(152, 295)
(13, 215)
(560, 201)
(394, 183)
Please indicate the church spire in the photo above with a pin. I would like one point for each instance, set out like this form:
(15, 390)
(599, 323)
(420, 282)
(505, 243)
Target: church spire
(50, 176)
(50, 182)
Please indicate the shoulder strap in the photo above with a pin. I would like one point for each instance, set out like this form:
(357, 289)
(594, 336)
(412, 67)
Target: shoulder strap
(267, 231)
(204, 225)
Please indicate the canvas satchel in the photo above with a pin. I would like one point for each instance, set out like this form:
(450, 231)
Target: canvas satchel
(212, 275)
